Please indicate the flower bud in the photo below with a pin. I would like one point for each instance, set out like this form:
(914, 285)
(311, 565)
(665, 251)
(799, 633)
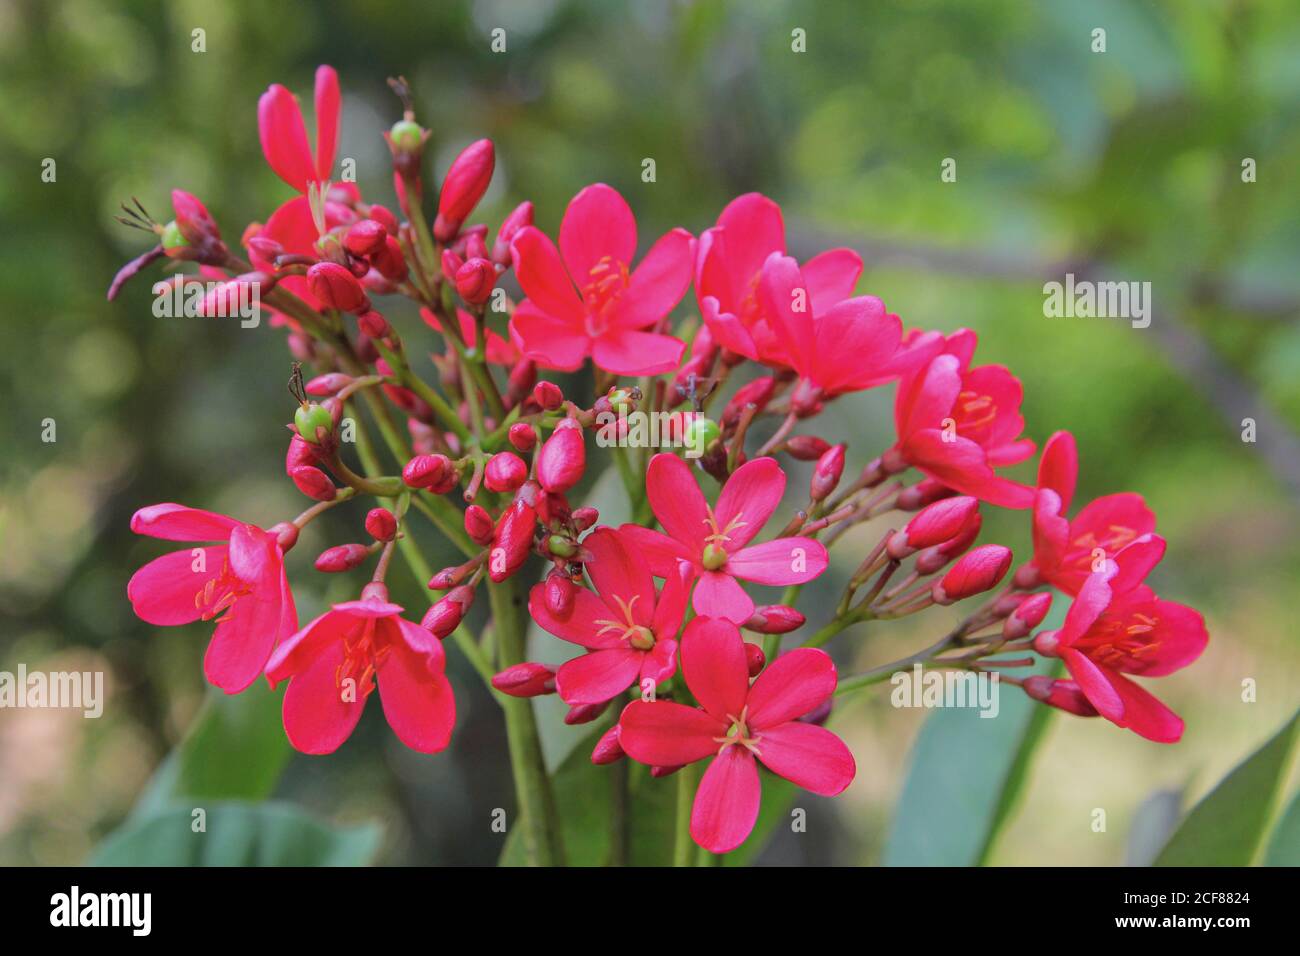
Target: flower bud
(389, 260)
(548, 395)
(513, 541)
(313, 483)
(286, 534)
(975, 572)
(300, 452)
(1063, 694)
(504, 472)
(563, 458)
(700, 433)
(466, 182)
(807, 447)
(373, 324)
(934, 524)
(933, 558)
(479, 525)
(754, 658)
(583, 518)
(435, 472)
(446, 614)
(558, 593)
(475, 279)
(337, 288)
(521, 217)
(526, 680)
(774, 619)
(522, 436)
(658, 772)
(924, 492)
(365, 237)
(344, 557)
(826, 475)
(196, 225)
(381, 524)
(326, 385)
(523, 376)
(757, 393)
(585, 713)
(1027, 616)
(608, 749)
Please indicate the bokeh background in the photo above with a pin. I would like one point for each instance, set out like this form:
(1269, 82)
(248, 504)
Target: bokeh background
(1124, 164)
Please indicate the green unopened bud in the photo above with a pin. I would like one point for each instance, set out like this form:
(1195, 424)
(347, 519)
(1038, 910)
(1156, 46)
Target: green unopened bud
(172, 237)
(715, 556)
(310, 417)
(701, 433)
(560, 546)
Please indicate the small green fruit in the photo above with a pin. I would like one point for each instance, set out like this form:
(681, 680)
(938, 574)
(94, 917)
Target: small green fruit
(310, 417)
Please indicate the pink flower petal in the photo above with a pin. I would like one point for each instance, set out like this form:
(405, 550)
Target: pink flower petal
(1135, 561)
(284, 137)
(582, 626)
(929, 401)
(748, 499)
(780, 561)
(598, 676)
(1144, 714)
(417, 702)
(316, 717)
(1093, 598)
(671, 607)
(726, 805)
(252, 553)
(1095, 683)
(659, 663)
(788, 307)
(163, 591)
(597, 224)
(713, 663)
(659, 282)
(718, 594)
(1058, 469)
(807, 755)
(328, 101)
(677, 501)
(664, 734)
(752, 230)
(855, 342)
(620, 575)
(797, 682)
(173, 522)
(830, 277)
(659, 550)
(629, 352)
(550, 342)
(543, 277)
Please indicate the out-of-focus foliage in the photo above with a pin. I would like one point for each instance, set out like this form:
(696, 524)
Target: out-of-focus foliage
(1130, 160)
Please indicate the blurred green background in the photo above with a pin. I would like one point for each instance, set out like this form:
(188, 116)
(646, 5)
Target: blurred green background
(1124, 164)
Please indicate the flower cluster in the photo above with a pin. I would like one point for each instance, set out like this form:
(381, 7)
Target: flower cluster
(657, 608)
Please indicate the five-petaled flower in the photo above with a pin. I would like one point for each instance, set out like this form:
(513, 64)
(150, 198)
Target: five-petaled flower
(1067, 551)
(240, 583)
(714, 541)
(1116, 627)
(335, 662)
(739, 725)
(629, 630)
(614, 310)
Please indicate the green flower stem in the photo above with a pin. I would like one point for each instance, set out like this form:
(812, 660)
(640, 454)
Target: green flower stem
(539, 820)
(688, 779)
(885, 671)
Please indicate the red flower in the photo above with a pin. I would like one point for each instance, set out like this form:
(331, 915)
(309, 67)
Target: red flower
(241, 583)
(737, 723)
(957, 424)
(284, 135)
(1065, 552)
(628, 630)
(713, 540)
(335, 662)
(608, 316)
(499, 351)
(1117, 626)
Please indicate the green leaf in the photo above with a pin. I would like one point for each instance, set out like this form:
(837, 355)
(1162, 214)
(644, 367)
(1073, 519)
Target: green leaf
(1228, 827)
(237, 834)
(1284, 845)
(1152, 824)
(966, 776)
(585, 791)
(235, 750)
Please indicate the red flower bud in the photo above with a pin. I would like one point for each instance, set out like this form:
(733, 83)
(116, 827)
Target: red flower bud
(466, 182)
(934, 524)
(435, 472)
(522, 436)
(657, 772)
(975, 572)
(1027, 616)
(563, 458)
(932, 559)
(826, 475)
(758, 393)
(337, 288)
(479, 525)
(381, 524)
(1063, 694)
(526, 680)
(584, 518)
(774, 619)
(505, 472)
(513, 541)
(313, 482)
(523, 376)
(754, 658)
(475, 279)
(585, 713)
(373, 324)
(924, 492)
(558, 592)
(548, 395)
(608, 749)
(325, 385)
(522, 216)
(446, 614)
(300, 452)
(807, 447)
(345, 557)
(194, 221)
(365, 237)
(389, 260)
